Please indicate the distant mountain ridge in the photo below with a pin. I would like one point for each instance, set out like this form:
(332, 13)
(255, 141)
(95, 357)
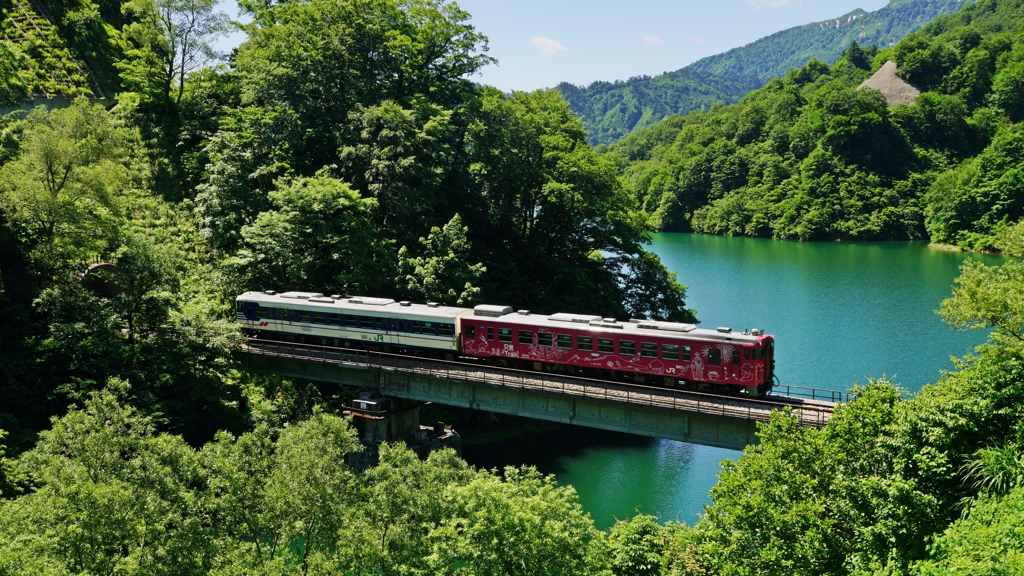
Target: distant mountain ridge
(611, 110)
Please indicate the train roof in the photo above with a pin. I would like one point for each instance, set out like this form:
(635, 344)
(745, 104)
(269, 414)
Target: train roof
(374, 306)
(639, 328)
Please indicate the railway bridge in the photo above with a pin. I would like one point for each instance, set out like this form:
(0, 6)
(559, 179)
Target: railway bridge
(694, 417)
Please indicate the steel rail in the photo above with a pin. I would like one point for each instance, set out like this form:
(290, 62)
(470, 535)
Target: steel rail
(814, 414)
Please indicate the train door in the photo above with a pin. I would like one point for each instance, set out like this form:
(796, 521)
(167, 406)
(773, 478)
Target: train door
(394, 331)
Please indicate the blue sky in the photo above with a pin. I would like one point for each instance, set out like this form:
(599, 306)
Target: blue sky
(539, 43)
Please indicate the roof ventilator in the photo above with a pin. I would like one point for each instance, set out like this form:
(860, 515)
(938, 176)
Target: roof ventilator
(578, 318)
(367, 301)
(432, 304)
(724, 329)
(405, 303)
(491, 311)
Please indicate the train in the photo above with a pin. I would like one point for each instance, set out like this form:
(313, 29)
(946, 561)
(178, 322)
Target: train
(658, 353)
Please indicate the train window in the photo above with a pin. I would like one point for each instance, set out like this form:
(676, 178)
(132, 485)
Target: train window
(606, 345)
(417, 327)
(526, 337)
(627, 347)
(261, 312)
(350, 321)
(429, 328)
(648, 350)
(686, 353)
(490, 334)
(334, 320)
(445, 329)
(545, 339)
(564, 341)
(320, 317)
(504, 334)
(670, 352)
(746, 353)
(585, 343)
(239, 305)
(735, 356)
(303, 315)
(714, 356)
(470, 331)
(758, 353)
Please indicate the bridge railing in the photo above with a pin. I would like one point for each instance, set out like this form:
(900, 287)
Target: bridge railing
(822, 394)
(736, 407)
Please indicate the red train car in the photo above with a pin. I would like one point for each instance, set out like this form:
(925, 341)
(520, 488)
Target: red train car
(665, 353)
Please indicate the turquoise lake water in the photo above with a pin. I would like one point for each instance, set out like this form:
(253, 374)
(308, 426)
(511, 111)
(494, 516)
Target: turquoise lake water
(840, 313)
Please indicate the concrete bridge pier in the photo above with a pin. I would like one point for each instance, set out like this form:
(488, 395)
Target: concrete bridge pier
(380, 419)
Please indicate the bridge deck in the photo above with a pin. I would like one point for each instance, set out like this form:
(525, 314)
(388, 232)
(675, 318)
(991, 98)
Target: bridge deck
(814, 413)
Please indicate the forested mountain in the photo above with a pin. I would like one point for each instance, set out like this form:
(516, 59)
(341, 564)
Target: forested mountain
(344, 149)
(612, 110)
(810, 157)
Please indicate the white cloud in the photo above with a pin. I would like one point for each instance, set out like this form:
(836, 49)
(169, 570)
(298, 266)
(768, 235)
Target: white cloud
(546, 45)
(770, 4)
(651, 39)
(698, 40)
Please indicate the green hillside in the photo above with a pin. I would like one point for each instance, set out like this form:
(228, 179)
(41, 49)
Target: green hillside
(810, 157)
(66, 48)
(612, 110)
(774, 55)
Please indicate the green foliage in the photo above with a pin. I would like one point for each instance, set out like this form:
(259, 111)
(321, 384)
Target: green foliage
(987, 542)
(13, 79)
(52, 68)
(319, 235)
(442, 274)
(636, 546)
(987, 297)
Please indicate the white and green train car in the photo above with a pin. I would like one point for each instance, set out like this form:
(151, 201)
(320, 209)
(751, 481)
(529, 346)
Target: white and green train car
(376, 323)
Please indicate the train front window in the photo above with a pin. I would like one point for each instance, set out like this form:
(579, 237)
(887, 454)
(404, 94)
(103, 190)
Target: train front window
(545, 339)
(606, 345)
(627, 347)
(470, 331)
(504, 334)
(714, 356)
(564, 341)
(758, 353)
(585, 343)
(648, 350)
(526, 337)
(669, 352)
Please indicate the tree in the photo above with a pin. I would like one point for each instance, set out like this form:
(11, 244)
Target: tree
(442, 273)
(319, 236)
(636, 546)
(987, 297)
(526, 524)
(68, 173)
(111, 496)
(168, 40)
(310, 487)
